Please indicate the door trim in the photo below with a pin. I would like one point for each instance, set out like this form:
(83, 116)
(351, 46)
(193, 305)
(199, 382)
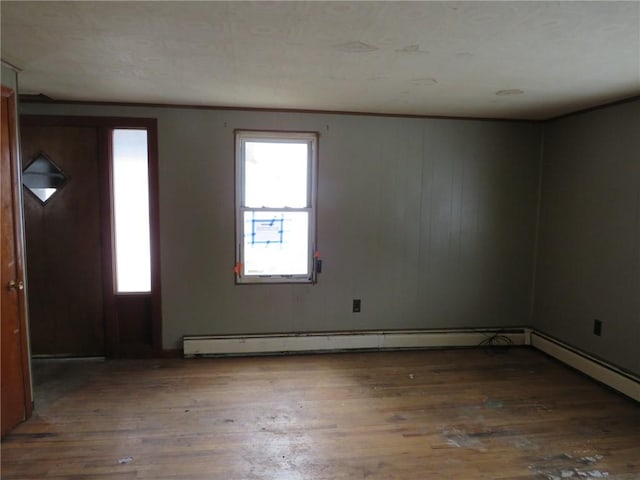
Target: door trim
(105, 125)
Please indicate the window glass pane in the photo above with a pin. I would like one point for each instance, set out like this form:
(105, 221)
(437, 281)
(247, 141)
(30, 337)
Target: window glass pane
(131, 211)
(43, 178)
(275, 174)
(276, 243)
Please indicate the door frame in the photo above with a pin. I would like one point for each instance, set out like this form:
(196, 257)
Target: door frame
(104, 127)
(18, 232)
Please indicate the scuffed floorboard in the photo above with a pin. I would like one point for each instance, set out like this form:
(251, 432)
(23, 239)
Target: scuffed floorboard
(441, 414)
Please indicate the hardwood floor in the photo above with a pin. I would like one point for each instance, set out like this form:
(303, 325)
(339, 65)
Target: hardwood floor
(439, 414)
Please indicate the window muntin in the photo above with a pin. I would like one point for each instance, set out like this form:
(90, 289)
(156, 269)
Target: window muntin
(275, 214)
(131, 211)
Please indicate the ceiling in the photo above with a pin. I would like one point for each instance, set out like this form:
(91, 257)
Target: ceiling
(525, 60)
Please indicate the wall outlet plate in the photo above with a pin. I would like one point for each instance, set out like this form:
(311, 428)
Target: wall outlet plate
(356, 305)
(597, 327)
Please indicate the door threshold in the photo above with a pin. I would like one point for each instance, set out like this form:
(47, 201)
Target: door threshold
(67, 358)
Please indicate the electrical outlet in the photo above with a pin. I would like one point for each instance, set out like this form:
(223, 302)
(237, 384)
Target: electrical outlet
(597, 327)
(356, 305)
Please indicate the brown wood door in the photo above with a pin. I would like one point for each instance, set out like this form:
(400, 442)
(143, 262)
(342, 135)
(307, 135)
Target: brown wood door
(16, 390)
(63, 243)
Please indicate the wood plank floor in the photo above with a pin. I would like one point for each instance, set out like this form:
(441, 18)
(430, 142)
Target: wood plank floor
(440, 414)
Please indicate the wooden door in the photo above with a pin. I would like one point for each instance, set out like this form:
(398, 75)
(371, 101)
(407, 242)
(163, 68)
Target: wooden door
(16, 389)
(63, 243)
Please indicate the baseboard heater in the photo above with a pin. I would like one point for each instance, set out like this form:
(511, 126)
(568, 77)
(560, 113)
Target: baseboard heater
(595, 368)
(341, 341)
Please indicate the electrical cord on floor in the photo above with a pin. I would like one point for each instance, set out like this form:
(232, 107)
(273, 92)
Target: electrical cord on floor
(498, 339)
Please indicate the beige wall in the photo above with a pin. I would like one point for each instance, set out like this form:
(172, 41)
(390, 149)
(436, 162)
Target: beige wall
(589, 249)
(430, 222)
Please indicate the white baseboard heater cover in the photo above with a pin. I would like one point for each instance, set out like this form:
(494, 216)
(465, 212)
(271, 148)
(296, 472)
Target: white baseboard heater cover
(597, 369)
(320, 342)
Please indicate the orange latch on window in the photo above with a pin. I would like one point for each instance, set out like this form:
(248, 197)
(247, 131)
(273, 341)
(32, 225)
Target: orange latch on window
(238, 269)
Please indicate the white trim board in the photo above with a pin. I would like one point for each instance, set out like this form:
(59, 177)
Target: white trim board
(321, 342)
(594, 368)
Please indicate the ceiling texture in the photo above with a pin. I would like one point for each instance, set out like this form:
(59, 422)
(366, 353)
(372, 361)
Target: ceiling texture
(524, 60)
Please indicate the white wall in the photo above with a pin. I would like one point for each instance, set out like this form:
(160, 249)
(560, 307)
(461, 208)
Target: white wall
(430, 222)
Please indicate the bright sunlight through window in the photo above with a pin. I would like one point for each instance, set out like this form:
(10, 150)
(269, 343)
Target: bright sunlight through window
(275, 217)
(131, 211)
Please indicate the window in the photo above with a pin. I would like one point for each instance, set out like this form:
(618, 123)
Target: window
(275, 206)
(131, 211)
(43, 178)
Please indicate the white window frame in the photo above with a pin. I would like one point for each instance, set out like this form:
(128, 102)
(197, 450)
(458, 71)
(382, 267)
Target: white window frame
(241, 138)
